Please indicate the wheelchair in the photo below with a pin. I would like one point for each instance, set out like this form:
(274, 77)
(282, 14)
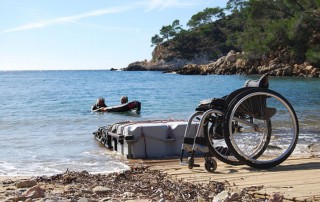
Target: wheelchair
(253, 125)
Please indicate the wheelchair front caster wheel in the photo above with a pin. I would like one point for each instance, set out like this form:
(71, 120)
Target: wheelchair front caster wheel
(210, 165)
(190, 162)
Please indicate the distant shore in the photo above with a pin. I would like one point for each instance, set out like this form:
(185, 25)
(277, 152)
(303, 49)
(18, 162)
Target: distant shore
(232, 63)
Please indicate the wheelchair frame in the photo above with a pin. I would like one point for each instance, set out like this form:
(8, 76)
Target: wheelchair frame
(198, 142)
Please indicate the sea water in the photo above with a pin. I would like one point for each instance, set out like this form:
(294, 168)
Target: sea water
(46, 124)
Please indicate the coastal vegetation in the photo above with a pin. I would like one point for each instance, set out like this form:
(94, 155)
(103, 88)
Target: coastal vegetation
(281, 37)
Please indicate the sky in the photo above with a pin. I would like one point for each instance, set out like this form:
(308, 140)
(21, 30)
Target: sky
(86, 34)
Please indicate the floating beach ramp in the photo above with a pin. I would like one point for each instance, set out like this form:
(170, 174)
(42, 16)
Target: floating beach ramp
(144, 139)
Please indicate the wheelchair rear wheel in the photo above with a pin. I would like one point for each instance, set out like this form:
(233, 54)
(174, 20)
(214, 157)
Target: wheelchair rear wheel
(261, 128)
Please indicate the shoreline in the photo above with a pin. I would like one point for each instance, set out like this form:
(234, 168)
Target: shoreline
(156, 180)
(233, 63)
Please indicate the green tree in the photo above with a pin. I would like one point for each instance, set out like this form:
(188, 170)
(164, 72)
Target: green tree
(166, 33)
(206, 16)
(170, 31)
(258, 27)
(156, 40)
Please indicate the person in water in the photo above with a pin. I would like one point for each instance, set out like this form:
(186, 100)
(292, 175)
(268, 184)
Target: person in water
(124, 99)
(100, 105)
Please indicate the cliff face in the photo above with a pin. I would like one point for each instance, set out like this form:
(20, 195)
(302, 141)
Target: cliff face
(236, 63)
(164, 59)
(162, 52)
(233, 63)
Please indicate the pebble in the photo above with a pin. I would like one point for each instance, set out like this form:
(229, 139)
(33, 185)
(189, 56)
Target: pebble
(83, 200)
(34, 192)
(26, 183)
(101, 190)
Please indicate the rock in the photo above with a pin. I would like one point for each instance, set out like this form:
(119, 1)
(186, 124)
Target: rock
(106, 199)
(16, 199)
(26, 183)
(231, 57)
(83, 200)
(235, 197)
(279, 72)
(220, 61)
(222, 196)
(101, 190)
(7, 182)
(240, 63)
(128, 194)
(34, 192)
(287, 71)
(136, 66)
(276, 197)
(315, 73)
(314, 147)
(85, 191)
(309, 68)
(191, 69)
(253, 70)
(84, 173)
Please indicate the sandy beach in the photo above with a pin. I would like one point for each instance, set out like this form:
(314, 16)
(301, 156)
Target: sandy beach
(297, 179)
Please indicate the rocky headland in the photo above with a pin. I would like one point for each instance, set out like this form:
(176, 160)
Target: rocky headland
(232, 63)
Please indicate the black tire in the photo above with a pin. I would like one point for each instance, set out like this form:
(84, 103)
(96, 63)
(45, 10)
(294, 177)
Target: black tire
(213, 133)
(210, 165)
(257, 142)
(190, 162)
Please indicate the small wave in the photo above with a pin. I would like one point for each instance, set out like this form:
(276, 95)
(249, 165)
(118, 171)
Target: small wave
(56, 167)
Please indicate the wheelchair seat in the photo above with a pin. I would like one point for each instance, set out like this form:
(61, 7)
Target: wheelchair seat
(207, 104)
(222, 103)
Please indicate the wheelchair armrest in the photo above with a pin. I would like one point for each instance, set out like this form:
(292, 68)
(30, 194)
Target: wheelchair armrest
(210, 103)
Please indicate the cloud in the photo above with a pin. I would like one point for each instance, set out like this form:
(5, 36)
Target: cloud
(148, 5)
(68, 19)
(163, 4)
(111, 28)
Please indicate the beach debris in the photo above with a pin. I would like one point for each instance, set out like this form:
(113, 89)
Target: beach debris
(314, 147)
(34, 192)
(101, 190)
(138, 183)
(26, 183)
(276, 197)
(16, 199)
(7, 182)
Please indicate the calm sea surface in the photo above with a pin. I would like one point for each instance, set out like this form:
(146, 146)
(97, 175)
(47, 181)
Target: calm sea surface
(46, 124)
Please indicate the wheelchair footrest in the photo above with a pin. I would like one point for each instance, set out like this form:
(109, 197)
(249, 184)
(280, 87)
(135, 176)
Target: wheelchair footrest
(188, 140)
(199, 140)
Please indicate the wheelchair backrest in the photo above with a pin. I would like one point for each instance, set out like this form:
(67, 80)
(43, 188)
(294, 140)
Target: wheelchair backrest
(263, 82)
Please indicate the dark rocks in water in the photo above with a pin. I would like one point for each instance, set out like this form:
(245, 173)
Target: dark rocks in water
(137, 66)
(113, 69)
